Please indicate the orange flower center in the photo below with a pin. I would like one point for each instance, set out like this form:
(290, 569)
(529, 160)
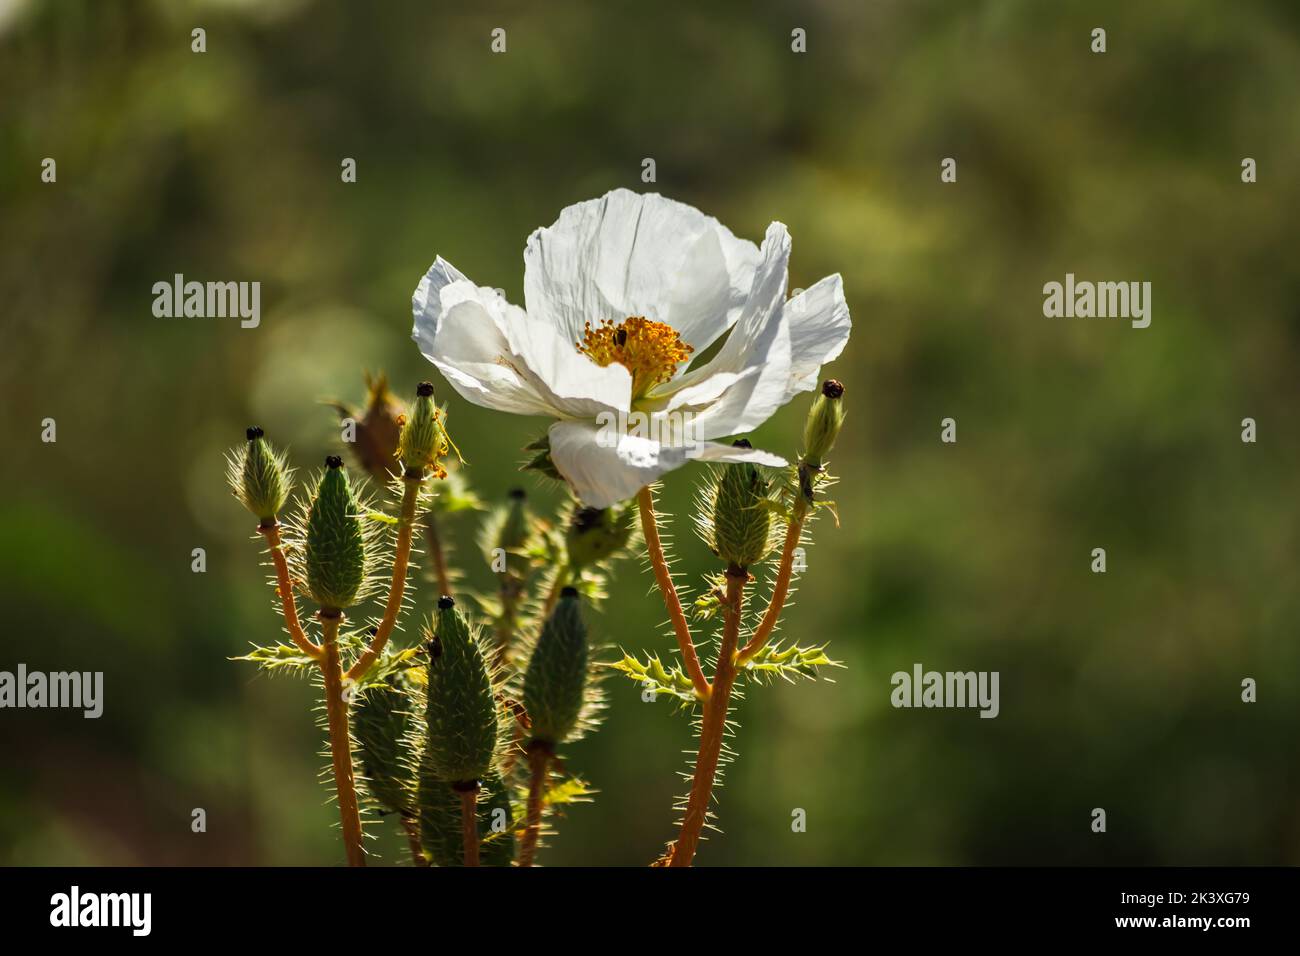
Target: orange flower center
(651, 351)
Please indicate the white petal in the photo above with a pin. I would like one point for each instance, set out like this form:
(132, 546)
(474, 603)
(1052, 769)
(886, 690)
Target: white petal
(495, 356)
(461, 337)
(819, 330)
(604, 469)
(576, 386)
(749, 378)
(627, 254)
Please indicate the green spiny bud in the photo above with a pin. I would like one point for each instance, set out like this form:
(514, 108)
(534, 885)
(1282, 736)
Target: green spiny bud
(381, 722)
(825, 419)
(596, 533)
(462, 711)
(259, 477)
(556, 679)
(741, 520)
(336, 545)
(440, 825)
(515, 531)
(423, 441)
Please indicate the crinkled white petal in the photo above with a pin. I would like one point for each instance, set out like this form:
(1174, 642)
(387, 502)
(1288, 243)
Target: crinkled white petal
(494, 355)
(748, 380)
(463, 340)
(627, 254)
(604, 468)
(819, 330)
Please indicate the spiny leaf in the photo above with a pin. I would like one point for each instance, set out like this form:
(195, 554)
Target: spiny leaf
(278, 657)
(391, 663)
(567, 791)
(708, 604)
(790, 662)
(652, 675)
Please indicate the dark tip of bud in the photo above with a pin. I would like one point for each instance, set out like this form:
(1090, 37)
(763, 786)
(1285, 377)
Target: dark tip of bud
(832, 388)
(374, 631)
(517, 494)
(446, 602)
(741, 443)
(584, 519)
(253, 433)
(333, 461)
(568, 591)
(424, 389)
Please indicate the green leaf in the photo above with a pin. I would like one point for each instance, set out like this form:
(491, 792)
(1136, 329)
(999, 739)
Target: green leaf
(279, 657)
(389, 664)
(568, 791)
(788, 663)
(652, 675)
(707, 606)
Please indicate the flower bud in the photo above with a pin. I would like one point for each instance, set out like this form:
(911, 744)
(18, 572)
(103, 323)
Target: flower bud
(336, 544)
(422, 441)
(596, 533)
(825, 419)
(462, 712)
(258, 476)
(381, 723)
(556, 680)
(514, 532)
(741, 522)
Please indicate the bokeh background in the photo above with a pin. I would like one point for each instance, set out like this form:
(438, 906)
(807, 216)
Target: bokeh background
(1119, 691)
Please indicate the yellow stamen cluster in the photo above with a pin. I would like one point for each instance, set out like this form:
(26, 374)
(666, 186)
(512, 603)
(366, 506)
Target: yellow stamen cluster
(651, 351)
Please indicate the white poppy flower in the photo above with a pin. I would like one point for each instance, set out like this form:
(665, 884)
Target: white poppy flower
(621, 293)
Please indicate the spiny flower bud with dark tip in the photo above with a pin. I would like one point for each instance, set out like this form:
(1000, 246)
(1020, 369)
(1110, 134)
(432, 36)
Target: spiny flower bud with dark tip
(423, 441)
(596, 533)
(462, 711)
(825, 419)
(336, 544)
(556, 680)
(741, 521)
(258, 476)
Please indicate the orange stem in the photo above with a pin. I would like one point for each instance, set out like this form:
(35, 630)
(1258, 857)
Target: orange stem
(553, 596)
(336, 708)
(654, 547)
(284, 587)
(713, 726)
(401, 563)
(780, 589)
(539, 759)
(469, 823)
(412, 828)
(435, 551)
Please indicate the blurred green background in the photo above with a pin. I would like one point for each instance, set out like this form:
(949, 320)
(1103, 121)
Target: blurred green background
(1119, 691)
